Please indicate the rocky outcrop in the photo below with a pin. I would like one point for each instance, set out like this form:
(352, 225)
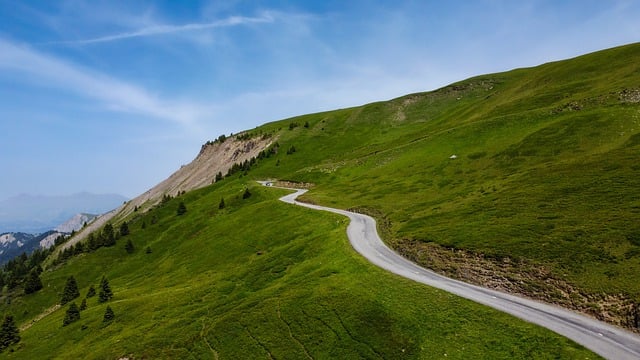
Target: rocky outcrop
(75, 223)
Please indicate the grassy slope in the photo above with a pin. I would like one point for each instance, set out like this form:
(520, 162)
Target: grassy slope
(545, 161)
(259, 279)
(546, 170)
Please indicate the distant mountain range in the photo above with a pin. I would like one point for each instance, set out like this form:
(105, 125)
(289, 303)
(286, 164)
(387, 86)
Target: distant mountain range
(35, 214)
(13, 244)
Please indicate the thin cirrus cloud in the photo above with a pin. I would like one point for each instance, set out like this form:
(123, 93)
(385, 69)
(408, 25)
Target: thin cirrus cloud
(156, 30)
(48, 71)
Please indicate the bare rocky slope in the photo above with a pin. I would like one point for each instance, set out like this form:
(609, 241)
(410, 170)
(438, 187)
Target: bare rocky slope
(214, 157)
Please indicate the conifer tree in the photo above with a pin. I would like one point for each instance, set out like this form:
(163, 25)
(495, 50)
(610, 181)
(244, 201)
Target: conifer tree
(148, 250)
(182, 209)
(124, 229)
(108, 315)
(83, 304)
(221, 205)
(9, 333)
(247, 194)
(91, 292)
(33, 282)
(129, 246)
(92, 244)
(70, 291)
(72, 314)
(108, 235)
(105, 291)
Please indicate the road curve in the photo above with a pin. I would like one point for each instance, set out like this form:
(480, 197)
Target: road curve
(604, 339)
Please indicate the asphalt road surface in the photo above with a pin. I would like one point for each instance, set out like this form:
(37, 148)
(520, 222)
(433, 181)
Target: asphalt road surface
(606, 340)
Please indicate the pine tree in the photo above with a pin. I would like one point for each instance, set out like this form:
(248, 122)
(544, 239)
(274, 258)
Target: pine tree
(182, 209)
(129, 246)
(124, 229)
(92, 243)
(148, 250)
(108, 315)
(247, 194)
(221, 205)
(91, 292)
(108, 235)
(70, 291)
(105, 291)
(72, 314)
(83, 305)
(33, 282)
(9, 333)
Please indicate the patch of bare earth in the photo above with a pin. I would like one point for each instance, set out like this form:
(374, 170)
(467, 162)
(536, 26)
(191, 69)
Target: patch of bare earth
(523, 278)
(293, 184)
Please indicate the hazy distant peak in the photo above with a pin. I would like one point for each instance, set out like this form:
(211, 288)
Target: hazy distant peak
(39, 213)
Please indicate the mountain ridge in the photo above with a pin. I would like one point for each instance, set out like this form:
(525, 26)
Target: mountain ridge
(544, 180)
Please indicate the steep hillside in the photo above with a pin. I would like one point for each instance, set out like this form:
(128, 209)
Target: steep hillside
(524, 180)
(257, 279)
(214, 157)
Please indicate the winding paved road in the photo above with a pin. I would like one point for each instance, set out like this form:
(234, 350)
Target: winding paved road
(606, 340)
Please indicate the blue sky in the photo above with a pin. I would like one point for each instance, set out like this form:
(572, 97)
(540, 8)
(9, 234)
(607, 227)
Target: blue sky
(113, 96)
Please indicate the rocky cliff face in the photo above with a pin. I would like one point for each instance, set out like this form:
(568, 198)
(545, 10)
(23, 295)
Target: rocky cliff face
(75, 223)
(214, 157)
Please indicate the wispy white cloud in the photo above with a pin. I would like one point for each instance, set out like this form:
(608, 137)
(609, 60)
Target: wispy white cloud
(155, 30)
(45, 70)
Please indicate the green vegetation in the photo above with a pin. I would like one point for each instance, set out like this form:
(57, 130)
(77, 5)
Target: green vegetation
(105, 291)
(128, 247)
(9, 333)
(108, 315)
(545, 174)
(33, 282)
(285, 283)
(72, 315)
(70, 291)
(182, 209)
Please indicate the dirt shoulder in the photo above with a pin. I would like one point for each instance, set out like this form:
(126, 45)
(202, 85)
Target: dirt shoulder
(522, 278)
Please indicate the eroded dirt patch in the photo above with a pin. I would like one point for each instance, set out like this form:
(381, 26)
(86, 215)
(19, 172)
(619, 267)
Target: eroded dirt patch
(523, 278)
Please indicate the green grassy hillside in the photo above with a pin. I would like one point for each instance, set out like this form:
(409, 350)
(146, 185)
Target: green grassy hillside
(542, 198)
(546, 177)
(260, 279)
